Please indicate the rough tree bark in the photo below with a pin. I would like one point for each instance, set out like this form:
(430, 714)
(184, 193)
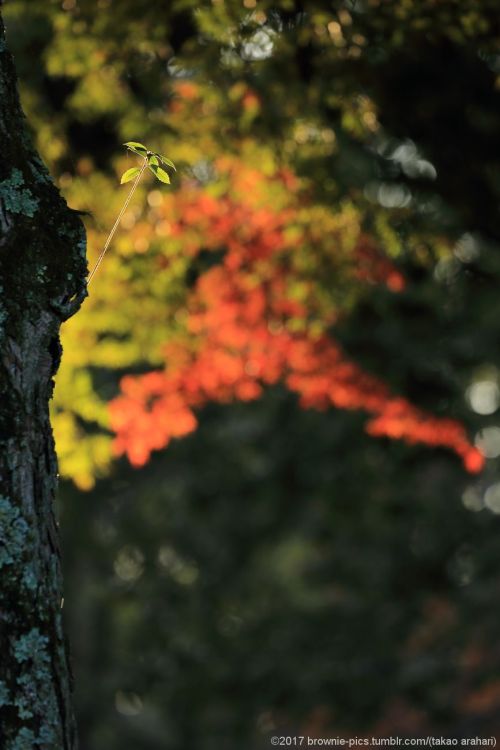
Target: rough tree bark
(42, 283)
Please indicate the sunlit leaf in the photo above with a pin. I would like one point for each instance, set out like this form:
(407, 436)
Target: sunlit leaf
(129, 175)
(137, 148)
(166, 161)
(160, 174)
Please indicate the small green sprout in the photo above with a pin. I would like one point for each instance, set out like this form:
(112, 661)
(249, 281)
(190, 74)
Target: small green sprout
(152, 160)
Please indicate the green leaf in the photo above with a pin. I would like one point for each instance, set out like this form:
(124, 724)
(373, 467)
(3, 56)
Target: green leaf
(137, 148)
(154, 160)
(129, 175)
(166, 161)
(160, 174)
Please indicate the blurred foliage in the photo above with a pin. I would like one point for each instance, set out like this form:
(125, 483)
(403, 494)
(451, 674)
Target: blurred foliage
(282, 589)
(278, 568)
(251, 82)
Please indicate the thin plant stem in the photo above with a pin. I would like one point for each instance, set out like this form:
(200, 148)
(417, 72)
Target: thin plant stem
(117, 222)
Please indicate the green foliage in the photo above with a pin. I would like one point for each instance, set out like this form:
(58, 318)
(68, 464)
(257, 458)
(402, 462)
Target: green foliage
(158, 172)
(129, 175)
(167, 162)
(137, 148)
(153, 161)
(239, 597)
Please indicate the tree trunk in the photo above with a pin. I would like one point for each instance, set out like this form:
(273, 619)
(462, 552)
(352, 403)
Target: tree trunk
(42, 283)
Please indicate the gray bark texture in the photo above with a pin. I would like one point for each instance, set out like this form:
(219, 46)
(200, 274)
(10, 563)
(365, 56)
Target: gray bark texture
(42, 283)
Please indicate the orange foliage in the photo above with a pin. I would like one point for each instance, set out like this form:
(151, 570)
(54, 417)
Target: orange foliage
(240, 336)
(186, 90)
